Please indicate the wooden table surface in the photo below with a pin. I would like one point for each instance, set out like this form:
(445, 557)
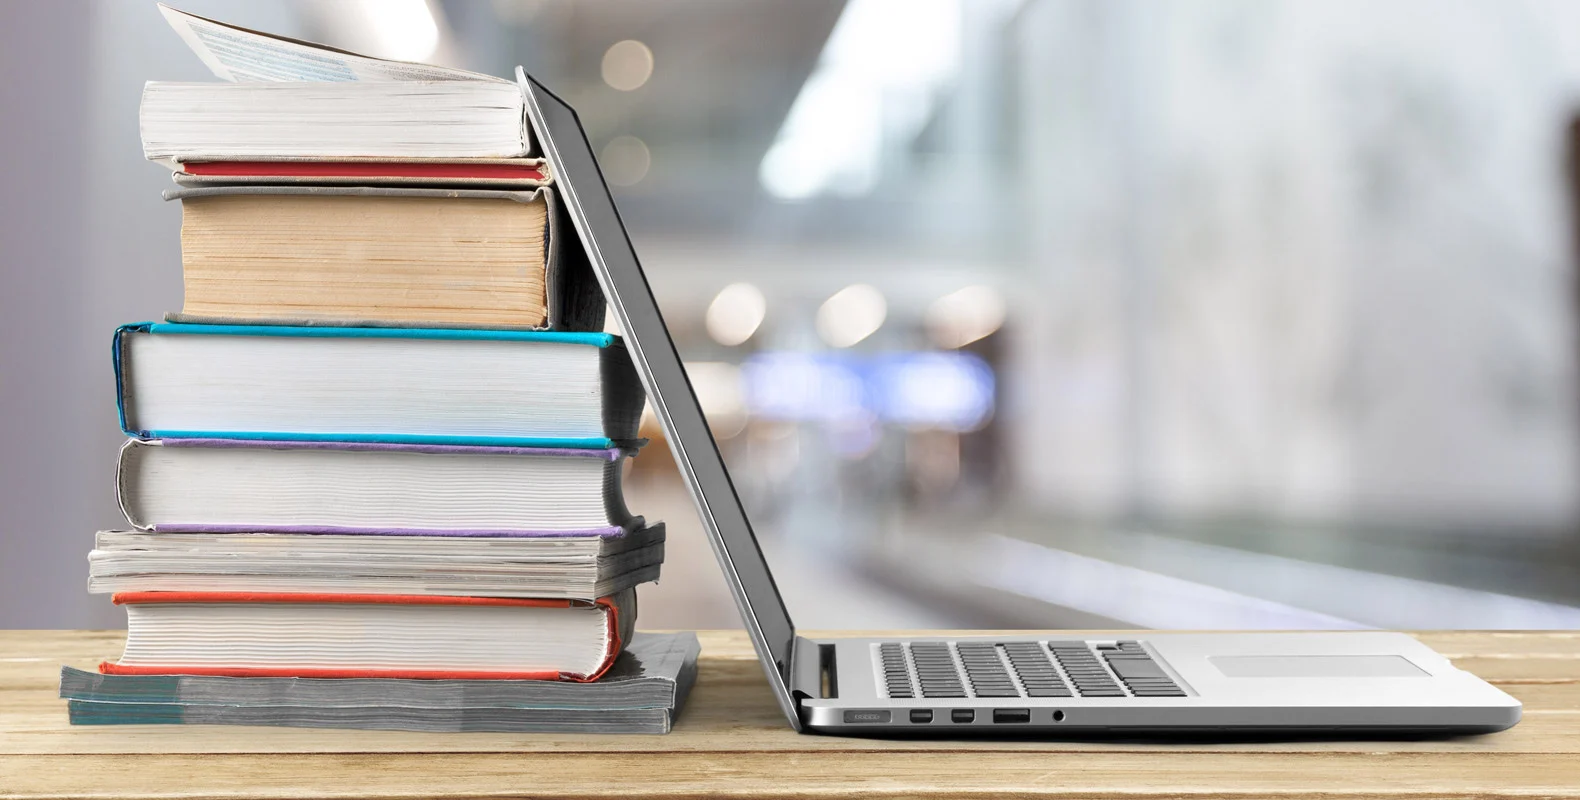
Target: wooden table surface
(731, 740)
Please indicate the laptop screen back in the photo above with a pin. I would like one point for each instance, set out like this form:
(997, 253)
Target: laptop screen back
(579, 181)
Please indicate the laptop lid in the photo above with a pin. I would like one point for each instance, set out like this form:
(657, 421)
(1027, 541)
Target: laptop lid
(592, 211)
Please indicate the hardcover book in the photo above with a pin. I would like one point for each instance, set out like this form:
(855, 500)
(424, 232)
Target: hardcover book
(221, 485)
(471, 173)
(395, 385)
(258, 634)
(402, 257)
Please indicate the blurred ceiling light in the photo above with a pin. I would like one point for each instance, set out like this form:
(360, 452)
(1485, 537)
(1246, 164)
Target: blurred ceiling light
(851, 314)
(406, 29)
(735, 314)
(627, 65)
(625, 160)
(964, 316)
(718, 388)
(876, 82)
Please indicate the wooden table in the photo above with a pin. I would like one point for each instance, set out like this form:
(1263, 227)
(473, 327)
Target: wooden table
(732, 741)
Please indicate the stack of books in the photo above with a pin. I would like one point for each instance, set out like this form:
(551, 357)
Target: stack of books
(381, 444)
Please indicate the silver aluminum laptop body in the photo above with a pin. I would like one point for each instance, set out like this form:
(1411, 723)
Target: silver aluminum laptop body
(1044, 684)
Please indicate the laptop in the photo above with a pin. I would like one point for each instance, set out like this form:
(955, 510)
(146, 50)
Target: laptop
(1033, 684)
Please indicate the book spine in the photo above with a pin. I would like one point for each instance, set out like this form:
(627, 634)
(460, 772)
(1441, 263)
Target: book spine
(123, 492)
(576, 301)
(126, 408)
(118, 357)
(623, 395)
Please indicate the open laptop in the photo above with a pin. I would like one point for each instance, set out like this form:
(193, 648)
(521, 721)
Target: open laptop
(1041, 684)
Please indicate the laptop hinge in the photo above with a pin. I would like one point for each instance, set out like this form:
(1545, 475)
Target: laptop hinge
(812, 670)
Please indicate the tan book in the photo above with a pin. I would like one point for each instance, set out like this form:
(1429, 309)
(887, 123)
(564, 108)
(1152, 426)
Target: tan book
(392, 257)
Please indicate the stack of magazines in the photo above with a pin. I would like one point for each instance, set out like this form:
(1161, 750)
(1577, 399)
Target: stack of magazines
(373, 474)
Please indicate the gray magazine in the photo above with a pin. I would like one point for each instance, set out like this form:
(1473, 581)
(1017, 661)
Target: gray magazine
(387, 718)
(641, 693)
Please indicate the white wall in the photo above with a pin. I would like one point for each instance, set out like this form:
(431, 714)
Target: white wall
(1301, 261)
(86, 244)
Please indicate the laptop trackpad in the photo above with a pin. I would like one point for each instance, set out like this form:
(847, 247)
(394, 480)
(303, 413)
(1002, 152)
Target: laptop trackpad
(1384, 666)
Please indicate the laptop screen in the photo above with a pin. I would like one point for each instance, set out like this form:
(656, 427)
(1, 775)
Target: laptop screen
(578, 180)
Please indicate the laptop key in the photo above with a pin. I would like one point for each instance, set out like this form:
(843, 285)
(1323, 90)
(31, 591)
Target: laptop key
(1128, 668)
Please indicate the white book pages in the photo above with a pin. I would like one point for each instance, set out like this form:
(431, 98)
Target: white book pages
(292, 487)
(241, 55)
(367, 386)
(367, 636)
(435, 584)
(228, 121)
(573, 568)
(234, 53)
(510, 550)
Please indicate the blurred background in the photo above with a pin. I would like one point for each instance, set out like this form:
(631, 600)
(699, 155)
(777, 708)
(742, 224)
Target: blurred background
(1005, 313)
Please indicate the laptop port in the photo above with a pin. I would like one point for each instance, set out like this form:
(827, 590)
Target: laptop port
(920, 715)
(1058, 716)
(1012, 715)
(858, 717)
(962, 715)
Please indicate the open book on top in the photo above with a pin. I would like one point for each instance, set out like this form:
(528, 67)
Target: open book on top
(286, 100)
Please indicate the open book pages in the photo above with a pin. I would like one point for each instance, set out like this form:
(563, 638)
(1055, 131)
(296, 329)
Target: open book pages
(237, 54)
(292, 98)
(560, 567)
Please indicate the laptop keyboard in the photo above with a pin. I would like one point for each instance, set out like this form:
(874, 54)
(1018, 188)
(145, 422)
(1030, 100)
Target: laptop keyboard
(1022, 669)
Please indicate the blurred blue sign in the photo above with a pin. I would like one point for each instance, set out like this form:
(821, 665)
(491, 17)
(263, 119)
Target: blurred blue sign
(943, 390)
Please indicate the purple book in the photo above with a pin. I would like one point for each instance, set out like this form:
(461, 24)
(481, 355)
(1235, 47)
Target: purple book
(242, 486)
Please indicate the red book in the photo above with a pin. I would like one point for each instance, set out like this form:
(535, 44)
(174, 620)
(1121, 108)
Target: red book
(512, 173)
(259, 634)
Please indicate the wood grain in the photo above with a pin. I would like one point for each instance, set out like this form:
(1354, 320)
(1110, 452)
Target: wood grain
(731, 741)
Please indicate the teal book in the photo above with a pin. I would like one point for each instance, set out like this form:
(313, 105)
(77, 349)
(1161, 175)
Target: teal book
(390, 385)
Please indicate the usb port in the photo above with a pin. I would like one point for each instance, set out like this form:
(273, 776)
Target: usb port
(920, 715)
(962, 715)
(1012, 715)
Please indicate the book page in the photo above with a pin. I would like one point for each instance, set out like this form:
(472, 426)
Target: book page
(239, 54)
